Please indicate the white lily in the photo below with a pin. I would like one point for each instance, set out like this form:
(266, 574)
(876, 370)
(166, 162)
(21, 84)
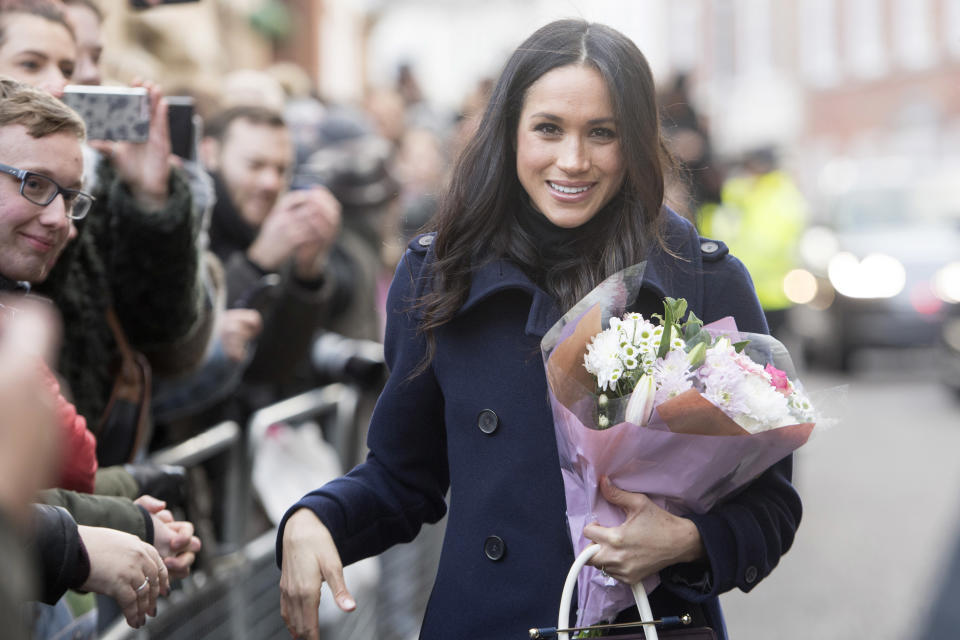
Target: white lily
(640, 405)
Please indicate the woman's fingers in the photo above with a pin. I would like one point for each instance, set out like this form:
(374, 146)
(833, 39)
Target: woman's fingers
(338, 586)
(299, 611)
(310, 557)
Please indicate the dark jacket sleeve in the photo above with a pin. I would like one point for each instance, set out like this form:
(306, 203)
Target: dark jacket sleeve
(292, 312)
(745, 536)
(154, 261)
(402, 484)
(18, 580)
(61, 555)
(94, 510)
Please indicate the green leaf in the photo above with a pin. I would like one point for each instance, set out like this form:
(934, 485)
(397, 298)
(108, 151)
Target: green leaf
(697, 355)
(665, 339)
(739, 346)
(673, 310)
(692, 326)
(678, 307)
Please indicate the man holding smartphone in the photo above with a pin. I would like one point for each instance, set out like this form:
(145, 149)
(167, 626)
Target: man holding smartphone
(259, 228)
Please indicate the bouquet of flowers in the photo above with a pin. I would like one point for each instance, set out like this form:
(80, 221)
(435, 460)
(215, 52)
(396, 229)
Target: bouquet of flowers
(666, 406)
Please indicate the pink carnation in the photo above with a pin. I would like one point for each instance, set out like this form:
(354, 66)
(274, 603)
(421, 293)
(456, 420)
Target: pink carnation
(778, 379)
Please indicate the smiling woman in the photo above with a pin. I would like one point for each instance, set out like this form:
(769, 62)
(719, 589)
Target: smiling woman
(568, 152)
(561, 186)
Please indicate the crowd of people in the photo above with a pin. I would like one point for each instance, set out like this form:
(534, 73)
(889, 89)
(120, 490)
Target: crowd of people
(178, 291)
(148, 295)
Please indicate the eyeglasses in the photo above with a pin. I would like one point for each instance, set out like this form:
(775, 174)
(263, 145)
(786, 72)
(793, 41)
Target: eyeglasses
(41, 190)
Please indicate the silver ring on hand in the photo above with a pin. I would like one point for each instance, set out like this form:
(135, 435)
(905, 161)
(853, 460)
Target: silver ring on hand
(146, 583)
(603, 572)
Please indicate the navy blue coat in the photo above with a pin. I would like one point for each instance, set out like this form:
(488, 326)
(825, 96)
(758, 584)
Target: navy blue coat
(507, 549)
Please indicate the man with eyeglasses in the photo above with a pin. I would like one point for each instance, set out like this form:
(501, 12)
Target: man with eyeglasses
(41, 168)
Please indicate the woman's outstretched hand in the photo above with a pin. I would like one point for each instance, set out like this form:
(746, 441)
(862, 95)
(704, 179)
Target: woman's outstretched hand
(127, 569)
(649, 540)
(310, 558)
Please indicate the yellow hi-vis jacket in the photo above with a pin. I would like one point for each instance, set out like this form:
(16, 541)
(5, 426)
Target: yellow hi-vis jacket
(760, 219)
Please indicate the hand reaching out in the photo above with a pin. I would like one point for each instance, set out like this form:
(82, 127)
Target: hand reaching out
(127, 569)
(237, 329)
(173, 539)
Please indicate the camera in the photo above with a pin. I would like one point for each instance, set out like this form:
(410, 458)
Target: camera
(343, 359)
(111, 113)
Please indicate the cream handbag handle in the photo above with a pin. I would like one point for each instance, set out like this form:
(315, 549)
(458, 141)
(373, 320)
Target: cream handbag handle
(639, 595)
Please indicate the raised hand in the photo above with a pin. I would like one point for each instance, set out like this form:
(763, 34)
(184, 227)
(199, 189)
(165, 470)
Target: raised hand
(302, 225)
(144, 166)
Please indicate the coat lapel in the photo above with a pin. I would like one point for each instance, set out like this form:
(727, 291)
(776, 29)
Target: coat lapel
(665, 275)
(501, 275)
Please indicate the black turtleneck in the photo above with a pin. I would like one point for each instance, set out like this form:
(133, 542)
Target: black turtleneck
(229, 232)
(556, 245)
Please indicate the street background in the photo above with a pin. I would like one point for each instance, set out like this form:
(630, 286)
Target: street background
(880, 523)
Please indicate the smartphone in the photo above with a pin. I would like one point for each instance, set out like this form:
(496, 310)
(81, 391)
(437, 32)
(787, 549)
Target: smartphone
(184, 126)
(146, 4)
(111, 113)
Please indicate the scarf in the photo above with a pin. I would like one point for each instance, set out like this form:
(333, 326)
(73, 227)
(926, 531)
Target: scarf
(557, 247)
(229, 232)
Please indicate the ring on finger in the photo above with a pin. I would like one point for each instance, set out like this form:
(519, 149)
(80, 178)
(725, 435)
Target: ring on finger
(146, 583)
(603, 572)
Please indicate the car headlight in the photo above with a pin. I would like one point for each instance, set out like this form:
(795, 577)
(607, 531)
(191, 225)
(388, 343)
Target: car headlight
(800, 286)
(876, 276)
(946, 283)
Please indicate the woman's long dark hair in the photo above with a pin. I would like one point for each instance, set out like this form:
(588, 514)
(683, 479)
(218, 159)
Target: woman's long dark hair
(476, 219)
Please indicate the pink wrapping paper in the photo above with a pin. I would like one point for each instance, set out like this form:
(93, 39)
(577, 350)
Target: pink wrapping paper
(689, 457)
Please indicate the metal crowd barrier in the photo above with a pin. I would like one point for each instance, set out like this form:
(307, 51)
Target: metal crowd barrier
(237, 597)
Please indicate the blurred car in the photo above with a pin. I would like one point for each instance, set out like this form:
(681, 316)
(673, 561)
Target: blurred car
(881, 264)
(949, 351)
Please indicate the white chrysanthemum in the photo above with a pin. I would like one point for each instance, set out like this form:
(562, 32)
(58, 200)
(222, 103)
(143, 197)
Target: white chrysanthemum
(800, 405)
(635, 329)
(743, 390)
(766, 407)
(602, 359)
(628, 350)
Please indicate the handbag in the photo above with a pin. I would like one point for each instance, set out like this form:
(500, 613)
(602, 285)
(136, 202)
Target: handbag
(125, 426)
(648, 622)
